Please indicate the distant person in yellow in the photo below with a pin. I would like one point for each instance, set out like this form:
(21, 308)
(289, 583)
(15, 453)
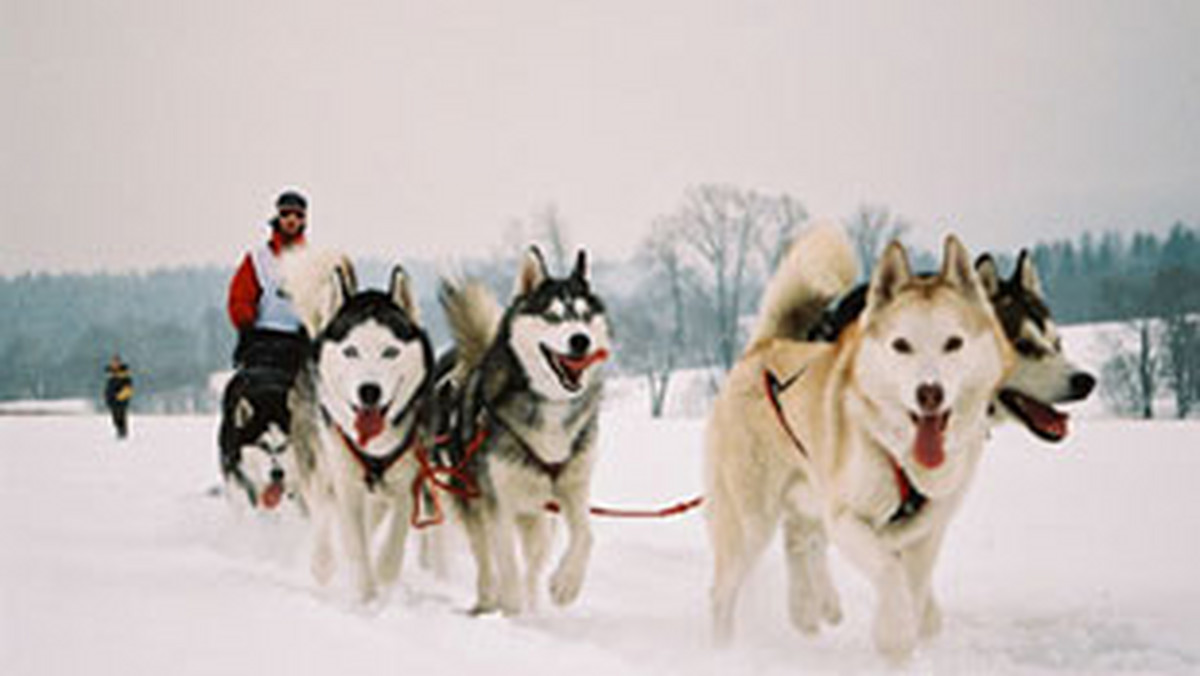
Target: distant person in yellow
(118, 392)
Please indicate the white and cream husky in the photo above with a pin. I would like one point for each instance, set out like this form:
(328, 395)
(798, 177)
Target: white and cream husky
(871, 440)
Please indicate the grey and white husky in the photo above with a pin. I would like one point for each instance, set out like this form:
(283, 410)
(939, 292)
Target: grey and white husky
(523, 407)
(360, 404)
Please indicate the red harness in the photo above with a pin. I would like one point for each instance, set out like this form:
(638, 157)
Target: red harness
(430, 476)
(911, 500)
(773, 388)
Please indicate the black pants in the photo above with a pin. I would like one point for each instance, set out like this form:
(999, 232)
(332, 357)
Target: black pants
(271, 349)
(120, 418)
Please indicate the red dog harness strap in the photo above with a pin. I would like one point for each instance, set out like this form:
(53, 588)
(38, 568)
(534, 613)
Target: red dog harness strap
(773, 389)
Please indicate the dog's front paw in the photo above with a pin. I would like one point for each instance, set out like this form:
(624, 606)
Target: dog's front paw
(931, 619)
(805, 614)
(896, 627)
(389, 565)
(322, 564)
(482, 608)
(510, 603)
(366, 594)
(831, 607)
(566, 584)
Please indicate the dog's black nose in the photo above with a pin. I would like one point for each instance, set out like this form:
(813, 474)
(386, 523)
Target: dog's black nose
(1082, 384)
(929, 397)
(579, 344)
(276, 475)
(369, 394)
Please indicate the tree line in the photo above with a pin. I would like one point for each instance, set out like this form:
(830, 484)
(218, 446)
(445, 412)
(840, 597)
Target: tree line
(686, 299)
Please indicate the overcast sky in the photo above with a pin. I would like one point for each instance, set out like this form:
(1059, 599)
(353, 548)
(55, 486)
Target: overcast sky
(139, 133)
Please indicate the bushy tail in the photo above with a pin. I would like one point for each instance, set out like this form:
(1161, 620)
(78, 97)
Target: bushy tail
(474, 315)
(317, 281)
(819, 266)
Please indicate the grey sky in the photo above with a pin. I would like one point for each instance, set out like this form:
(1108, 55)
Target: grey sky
(136, 133)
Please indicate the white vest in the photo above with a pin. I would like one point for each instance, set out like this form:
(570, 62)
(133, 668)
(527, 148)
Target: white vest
(275, 311)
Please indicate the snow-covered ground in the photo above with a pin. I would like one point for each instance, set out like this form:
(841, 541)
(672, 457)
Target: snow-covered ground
(115, 559)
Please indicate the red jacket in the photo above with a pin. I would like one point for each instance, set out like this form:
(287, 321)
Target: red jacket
(244, 290)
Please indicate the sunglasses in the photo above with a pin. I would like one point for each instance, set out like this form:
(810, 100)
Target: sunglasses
(291, 212)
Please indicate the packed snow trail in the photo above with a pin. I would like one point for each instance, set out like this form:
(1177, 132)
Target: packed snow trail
(1073, 559)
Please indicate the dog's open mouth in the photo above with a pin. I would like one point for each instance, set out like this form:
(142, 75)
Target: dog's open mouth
(570, 369)
(1046, 421)
(929, 448)
(369, 422)
(272, 496)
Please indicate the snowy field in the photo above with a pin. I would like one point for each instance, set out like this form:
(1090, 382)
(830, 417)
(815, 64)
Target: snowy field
(116, 559)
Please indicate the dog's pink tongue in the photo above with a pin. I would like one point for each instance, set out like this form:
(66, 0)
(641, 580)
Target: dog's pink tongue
(368, 423)
(929, 448)
(578, 365)
(272, 496)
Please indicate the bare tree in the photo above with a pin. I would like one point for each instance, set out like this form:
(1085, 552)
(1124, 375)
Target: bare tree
(871, 228)
(1177, 292)
(660, 337)
(1130, 377)
(545, 227)
(1182, 361)
(787, 215)
(723, 231)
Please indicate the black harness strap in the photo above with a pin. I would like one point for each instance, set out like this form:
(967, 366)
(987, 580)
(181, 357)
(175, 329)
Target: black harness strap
(550, 469)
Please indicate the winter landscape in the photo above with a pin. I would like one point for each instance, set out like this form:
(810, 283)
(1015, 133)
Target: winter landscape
(159, 160)
(119, 558)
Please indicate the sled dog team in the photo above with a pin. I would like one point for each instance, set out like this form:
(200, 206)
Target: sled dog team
(855, 416)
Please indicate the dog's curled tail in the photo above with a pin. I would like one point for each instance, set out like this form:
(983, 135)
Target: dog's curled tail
(474, 315)
(317, 281)
(819, 266)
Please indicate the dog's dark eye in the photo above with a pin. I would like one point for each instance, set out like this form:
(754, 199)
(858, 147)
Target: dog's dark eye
(391, 352)
(902, 346)
(1026, 347)
(954, 344)
(350, 352)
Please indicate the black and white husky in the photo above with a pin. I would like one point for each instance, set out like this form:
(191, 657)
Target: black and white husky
(258, 462)
(359, 405)
(1043, 375)
(525, 397)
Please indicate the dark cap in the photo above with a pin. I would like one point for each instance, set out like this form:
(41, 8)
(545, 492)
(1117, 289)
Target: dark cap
(291, 200)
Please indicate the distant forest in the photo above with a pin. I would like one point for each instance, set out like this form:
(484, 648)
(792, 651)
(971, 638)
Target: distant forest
(170, 325)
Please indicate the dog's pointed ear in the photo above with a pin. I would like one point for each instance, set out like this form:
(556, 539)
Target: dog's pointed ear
(532, 272)
(1026, 274)
(989, 275)
(243, 412)
(342, 286)
(891, 273)
(957, 270)
(402, 294)
(581, 267)
(346, 279)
